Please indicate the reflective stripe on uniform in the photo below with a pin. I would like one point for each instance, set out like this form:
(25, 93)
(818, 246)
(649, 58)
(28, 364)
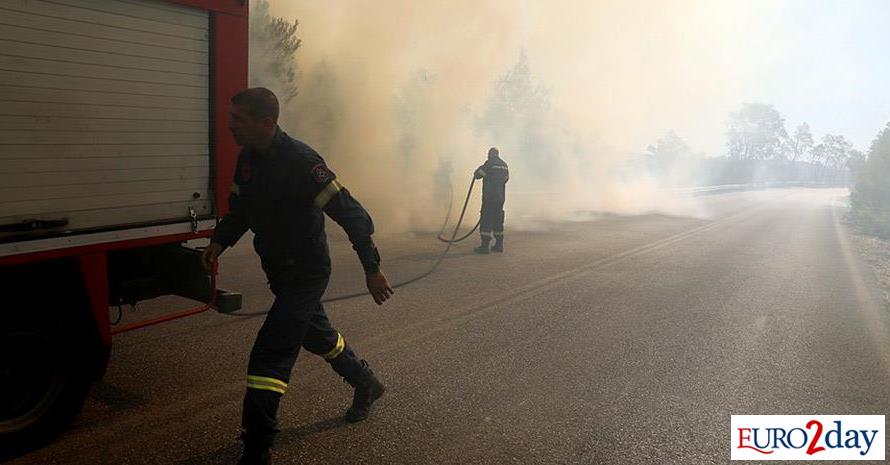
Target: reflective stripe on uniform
(480, 172)
(499, 234)
(266, 384)
(337, 350)
(485, 234)
(327, 194)
(236, 189)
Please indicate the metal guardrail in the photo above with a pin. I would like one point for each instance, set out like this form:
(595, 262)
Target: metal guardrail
(752, 186)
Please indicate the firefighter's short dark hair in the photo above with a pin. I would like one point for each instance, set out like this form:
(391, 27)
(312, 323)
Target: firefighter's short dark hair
(493, 151)
(260, 102)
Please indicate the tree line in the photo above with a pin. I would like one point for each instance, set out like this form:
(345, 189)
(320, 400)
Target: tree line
(757, 132)
(759, 149)
(870, 193)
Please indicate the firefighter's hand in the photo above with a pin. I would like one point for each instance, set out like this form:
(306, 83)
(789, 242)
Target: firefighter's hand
(379, 287)
(211, 253)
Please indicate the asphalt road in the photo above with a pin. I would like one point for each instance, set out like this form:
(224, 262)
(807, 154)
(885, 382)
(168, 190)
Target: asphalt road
(615, 340)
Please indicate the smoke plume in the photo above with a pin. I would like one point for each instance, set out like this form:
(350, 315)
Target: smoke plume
(404, 98)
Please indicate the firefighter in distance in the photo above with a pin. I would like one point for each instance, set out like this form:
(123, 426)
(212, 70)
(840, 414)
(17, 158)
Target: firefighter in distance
(494, 174)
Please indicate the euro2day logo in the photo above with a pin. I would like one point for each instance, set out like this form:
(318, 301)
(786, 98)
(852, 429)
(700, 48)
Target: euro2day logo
(807, 437)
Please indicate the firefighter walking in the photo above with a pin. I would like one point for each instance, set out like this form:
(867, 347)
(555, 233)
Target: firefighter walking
(282, 190)
(494, 174)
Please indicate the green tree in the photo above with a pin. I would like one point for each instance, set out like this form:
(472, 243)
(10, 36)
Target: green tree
(856, 163)
(669, 148)
(273, 48)
(870, 197)
(756, 132)
(801, 143)
(410, 106)
(321, 107)
(833, 152)
(673, 160)
(518, 115)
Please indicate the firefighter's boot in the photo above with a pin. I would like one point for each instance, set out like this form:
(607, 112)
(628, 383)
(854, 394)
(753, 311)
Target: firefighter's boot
(498, 244)
(367, 387)
(483, 247)
(367, 390)
(257, 449)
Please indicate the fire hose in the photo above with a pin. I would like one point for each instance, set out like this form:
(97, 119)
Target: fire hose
(449, 242)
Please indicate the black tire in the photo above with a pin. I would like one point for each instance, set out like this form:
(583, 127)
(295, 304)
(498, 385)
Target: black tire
(43, 385)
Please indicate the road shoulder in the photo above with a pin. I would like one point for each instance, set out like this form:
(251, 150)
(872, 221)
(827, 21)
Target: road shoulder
(876, 252)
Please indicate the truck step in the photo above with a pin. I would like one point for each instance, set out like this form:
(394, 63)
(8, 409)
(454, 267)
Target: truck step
(227, 301)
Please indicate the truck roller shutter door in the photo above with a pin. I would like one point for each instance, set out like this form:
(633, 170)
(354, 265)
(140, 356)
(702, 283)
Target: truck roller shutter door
(104, 114)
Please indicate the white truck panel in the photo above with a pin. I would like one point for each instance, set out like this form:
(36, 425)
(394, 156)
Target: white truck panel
(104, 114)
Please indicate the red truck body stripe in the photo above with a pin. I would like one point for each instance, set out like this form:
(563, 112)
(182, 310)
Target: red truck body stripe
(94, 272)
(230, 76)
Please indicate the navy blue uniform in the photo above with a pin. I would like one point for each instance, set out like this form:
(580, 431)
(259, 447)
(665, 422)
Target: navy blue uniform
(494, 174)
(282, 197)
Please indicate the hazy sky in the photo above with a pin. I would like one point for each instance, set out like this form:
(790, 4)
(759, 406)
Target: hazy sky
(820, 61)
(630, 70)
(830, 63)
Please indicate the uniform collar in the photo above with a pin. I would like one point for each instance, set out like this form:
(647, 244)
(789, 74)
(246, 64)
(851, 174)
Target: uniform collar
(278, 140)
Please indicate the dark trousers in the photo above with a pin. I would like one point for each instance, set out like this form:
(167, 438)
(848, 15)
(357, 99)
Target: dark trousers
(492, 220)
(296, 319)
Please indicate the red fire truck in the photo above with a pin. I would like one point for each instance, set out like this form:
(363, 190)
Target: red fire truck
(114, 151)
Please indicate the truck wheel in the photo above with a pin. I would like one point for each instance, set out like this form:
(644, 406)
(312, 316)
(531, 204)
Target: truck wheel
(41, 388)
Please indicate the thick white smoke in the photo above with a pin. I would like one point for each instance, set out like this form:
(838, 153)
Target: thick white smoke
(403, 97)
